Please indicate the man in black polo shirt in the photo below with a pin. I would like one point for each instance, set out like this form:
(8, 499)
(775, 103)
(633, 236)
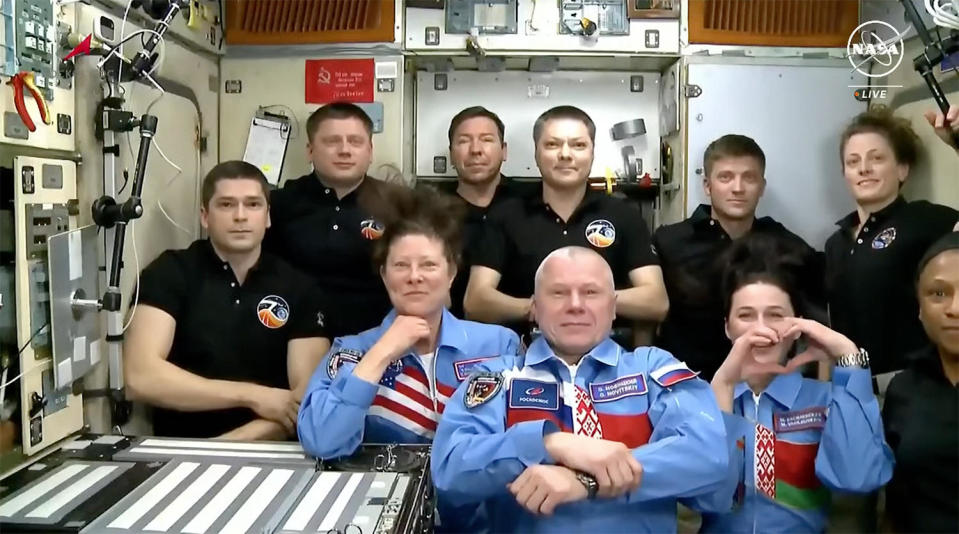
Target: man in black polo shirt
(477, 151)
(324, 223)
(224, 338)
(689, 252)
(520, 232)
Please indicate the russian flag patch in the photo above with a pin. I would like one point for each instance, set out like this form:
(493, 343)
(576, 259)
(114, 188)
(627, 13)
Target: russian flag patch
(672, 374)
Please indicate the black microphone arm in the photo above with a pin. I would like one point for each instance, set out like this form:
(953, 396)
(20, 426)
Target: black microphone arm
(934, 52)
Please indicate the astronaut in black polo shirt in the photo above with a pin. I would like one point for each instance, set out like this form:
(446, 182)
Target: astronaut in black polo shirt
(520, 232)
(324, 223)
(689, 252)
(224, 337)
(871, 258)
(477, 152)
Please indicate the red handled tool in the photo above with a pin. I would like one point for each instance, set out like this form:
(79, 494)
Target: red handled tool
(18, 82)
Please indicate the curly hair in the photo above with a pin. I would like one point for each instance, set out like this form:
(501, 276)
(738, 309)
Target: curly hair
(897, 131)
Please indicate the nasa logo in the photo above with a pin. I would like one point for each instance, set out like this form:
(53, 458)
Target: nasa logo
(601, 233)
(880, 43)
(884, 239)
(273, 312)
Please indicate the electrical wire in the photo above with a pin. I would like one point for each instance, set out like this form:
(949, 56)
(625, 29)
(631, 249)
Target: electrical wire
(179, 170)
(944, 13)
(116, 50)
(136, 262)
(19, 352)
(166, 187)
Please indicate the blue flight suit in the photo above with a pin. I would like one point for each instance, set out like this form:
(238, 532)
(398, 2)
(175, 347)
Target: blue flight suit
(807, 437)
(340, 411)
(645, 399)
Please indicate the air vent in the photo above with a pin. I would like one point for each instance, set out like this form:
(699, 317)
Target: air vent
(820, 23)
(265, 22)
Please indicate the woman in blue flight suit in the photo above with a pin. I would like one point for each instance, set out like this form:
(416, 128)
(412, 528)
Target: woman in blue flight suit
(800, 438)
(391, 383)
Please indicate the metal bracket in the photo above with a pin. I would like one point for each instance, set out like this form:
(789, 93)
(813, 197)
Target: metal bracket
(692, 90)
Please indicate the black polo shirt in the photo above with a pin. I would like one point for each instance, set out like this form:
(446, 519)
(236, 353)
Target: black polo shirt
(871, 277)
(228, 331)
(690, 253)
(521, 232)
(332, 240)
(473, 223)
(921, 420)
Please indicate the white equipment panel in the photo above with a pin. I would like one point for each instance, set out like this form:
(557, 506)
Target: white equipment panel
(519, 97)
(43, 190)
(803, 111)
(537, 29)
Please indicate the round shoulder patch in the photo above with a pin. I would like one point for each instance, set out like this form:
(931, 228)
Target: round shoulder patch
(601, 233)
(340, 357)
(273, 311)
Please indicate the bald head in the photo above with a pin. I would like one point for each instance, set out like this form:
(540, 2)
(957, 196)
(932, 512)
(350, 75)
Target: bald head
(567, 256)
(574, 301)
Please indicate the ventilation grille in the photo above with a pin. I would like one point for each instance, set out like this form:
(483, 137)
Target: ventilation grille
(309, 21)
(825, 23)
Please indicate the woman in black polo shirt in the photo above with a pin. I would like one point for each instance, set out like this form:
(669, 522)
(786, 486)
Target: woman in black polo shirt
(921, 414)
(872, 257)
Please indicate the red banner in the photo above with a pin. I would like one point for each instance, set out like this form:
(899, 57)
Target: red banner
(330, 80)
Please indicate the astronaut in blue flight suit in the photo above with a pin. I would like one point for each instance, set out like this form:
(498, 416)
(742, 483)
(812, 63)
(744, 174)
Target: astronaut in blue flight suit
(390, 384)
(800, 438)
(581, 435)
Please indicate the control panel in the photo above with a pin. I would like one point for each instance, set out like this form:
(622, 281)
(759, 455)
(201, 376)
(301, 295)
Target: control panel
(44, 205)
(37, 106)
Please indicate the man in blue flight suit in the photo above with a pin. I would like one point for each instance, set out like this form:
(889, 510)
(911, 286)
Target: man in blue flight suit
(581, 435)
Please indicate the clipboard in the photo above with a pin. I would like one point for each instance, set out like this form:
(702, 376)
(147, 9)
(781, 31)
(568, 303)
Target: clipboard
(266, 144)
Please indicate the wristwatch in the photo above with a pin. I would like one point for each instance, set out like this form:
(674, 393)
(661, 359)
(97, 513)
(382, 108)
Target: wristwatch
(589, 481)
(856, 359)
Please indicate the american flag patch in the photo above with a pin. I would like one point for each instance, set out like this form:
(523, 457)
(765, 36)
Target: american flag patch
(404, 399)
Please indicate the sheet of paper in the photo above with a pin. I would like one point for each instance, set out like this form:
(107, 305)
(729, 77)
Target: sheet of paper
(76, 255)
(79, 349)
(266, 146)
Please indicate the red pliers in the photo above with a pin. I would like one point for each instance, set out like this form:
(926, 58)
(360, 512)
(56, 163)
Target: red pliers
(18, 81)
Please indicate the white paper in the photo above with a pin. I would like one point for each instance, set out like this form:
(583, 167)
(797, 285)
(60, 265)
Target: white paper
(79, 349)
(95, 349)
(266, 146)
(65, 372)
(76, 255)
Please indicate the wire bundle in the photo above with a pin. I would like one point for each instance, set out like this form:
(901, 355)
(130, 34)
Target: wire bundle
(944, 13)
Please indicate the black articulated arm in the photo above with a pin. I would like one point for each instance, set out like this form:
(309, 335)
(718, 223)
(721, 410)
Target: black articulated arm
(934, 52)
